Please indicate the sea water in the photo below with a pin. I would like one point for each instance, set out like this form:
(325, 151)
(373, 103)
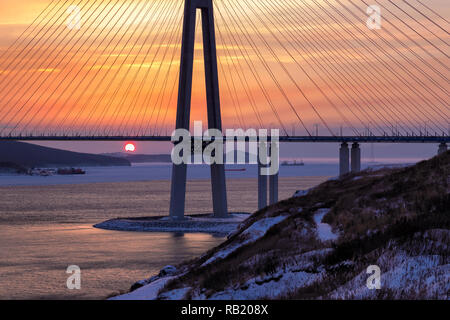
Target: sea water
(42, 232)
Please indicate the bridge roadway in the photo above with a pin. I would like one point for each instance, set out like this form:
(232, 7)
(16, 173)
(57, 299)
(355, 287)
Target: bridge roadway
(323, 139)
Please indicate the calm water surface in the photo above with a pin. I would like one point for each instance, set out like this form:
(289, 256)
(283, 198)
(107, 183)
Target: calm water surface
(46, 225)
(34, 258)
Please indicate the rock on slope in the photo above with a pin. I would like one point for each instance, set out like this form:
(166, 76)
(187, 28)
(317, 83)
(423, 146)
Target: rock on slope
(319, 245)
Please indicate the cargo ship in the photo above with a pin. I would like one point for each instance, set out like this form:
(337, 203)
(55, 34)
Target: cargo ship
(295, 163)
(236, 170)
(70, 171)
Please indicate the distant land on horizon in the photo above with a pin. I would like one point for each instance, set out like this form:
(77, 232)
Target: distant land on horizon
(149, 158)
(13, 153)
(140, 158)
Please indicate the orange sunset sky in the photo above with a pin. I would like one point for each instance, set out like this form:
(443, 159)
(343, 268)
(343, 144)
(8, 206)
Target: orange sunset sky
(118, 73)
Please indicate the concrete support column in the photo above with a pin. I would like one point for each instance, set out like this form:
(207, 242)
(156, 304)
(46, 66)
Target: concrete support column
(273, 181)
(356, 158)
(344, 167)
(219, 191)
(262, 189)
(442, 148)
(178, 191)
(262, 181)
(273, 189)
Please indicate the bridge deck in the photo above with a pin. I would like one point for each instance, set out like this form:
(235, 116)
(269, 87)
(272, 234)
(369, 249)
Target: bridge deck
(328, 139)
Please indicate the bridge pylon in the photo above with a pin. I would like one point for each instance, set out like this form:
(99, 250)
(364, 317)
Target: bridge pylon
(179, 172)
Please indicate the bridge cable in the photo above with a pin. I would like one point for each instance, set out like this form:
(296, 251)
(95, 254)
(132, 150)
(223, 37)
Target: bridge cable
(128, 114)
(387, 55)
(33, 38)
(162, 15)
(390, 57)
(239, 69)
(136, 9)
(258, 79)
(374, 72)
(173, 33)
(103, 65)
(149, 94)
(232, 91)
(323, 52)
(350, 57)
(433, 11)
(22, 36)
(426, 17)
(293, 39)
(171, 19)
(160, 98)
(420, 35)
(80, 59)
(134, 123)
(383, 51)
(41, 82)
(108, 106)
(335, 65)
(34, 54)
(67, 74)
(285, 69)
(268, 69)
(282, 64)
(398, 64)
(416, 66)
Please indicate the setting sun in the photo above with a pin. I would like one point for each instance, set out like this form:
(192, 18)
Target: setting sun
(130, 147)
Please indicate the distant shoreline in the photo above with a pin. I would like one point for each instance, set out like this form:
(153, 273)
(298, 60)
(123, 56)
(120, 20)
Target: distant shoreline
(15, 154)
(157, 171)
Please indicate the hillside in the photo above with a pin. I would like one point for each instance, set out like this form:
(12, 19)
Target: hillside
(31, 155)
(319, 244)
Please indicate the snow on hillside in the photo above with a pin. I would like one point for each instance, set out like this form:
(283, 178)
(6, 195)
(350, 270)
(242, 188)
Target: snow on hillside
(148, 292)
(403, 273)
(319, 245)
(249, 235)
(324, 231)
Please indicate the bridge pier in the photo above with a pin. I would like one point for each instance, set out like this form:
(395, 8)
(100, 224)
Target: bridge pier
(262, 188)
(178, 191)
(273, 179)
(273, 189)
(344, 159)
(442, 148)
(262, 181)
(356, 158)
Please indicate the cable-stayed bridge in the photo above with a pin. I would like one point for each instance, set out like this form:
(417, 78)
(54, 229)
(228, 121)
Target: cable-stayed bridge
(319, 70)
(288, 65)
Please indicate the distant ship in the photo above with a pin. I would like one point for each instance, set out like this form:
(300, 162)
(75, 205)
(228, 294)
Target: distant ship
(42, 172)
(70, 171)
(295, 163)
(236, 170)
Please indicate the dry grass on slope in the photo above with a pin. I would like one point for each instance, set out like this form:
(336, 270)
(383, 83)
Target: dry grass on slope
(369, 210)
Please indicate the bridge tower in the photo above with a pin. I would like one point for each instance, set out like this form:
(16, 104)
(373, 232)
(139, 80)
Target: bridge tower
(179, 172)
